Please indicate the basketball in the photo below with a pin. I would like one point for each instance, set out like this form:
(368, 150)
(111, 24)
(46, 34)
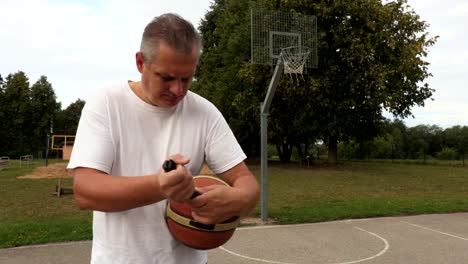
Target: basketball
(193, 234)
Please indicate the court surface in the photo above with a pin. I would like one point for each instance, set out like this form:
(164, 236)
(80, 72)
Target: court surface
(428, 239)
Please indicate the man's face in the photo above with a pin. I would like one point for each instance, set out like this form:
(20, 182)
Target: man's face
(167, 79)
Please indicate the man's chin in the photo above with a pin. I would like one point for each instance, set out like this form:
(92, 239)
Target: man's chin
(166, 103)
(171, 102)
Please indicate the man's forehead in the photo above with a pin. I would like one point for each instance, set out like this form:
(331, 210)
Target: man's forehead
(162, 46)
(170, 71)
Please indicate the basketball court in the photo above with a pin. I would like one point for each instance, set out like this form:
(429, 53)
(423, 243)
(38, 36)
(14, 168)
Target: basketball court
(429, 239)
(288, 43)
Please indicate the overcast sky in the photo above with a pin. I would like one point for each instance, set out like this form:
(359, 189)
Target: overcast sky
(83, 45)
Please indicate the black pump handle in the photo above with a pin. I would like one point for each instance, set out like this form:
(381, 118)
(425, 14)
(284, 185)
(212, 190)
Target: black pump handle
(169, 165)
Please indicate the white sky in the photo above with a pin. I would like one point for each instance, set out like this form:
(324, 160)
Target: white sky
(84, 45)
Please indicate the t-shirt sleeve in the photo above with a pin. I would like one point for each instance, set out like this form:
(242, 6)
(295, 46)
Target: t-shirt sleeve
(222, 149)
(93, 147)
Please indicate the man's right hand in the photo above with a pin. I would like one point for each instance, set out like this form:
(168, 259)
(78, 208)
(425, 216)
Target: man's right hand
(176, 184)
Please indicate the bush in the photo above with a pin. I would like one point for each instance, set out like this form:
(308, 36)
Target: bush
(447, 154)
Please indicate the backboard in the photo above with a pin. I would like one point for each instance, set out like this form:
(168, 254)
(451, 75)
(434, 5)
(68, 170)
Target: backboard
(273, 30)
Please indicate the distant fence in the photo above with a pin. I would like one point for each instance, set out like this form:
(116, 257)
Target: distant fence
(26, 160)
(4, 162)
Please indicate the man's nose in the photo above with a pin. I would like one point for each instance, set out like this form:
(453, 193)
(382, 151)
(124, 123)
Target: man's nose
(177, 88)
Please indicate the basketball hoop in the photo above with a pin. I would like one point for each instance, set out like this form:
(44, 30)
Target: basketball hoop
(294, 59)
(286, 41)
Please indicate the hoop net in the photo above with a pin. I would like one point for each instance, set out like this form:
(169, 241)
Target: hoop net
(294, 59)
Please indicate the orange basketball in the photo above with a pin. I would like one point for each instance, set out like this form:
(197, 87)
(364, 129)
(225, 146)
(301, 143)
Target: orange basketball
(193, 234)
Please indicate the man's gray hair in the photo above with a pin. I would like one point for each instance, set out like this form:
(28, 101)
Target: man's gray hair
(174, 31)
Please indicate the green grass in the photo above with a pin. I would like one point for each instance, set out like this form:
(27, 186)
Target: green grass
(30, 214)
(363, 189)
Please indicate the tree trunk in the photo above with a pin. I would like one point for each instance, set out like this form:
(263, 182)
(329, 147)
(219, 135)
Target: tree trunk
(332, 151)
(300, 152)
(362, 149)
(284, 152)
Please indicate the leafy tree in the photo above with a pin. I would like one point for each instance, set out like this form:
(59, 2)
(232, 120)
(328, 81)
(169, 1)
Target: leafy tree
(371, 58)
(67, 120)
(44, 108)
(463, 148)
(237, 87)
(16, 111)
(2, 84)
(423, 141)
(397, 134)
(457, 137)
(348, 149)
(27, 115)
(447, 154)
(395, 140)
(3, 124)
(381, 147)
(226, 48)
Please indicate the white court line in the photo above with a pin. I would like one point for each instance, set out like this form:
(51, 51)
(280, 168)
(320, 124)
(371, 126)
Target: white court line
(383, 251)
(69, 243)
(306, 224)
(436, 231)
(250, 258)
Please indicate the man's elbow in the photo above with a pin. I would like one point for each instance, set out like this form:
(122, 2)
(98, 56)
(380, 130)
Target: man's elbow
(81, 187)
(80, 201)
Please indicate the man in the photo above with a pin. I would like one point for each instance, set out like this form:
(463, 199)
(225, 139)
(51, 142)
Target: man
(125, 134)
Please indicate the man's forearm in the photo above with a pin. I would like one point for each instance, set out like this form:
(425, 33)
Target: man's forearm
(98, 191)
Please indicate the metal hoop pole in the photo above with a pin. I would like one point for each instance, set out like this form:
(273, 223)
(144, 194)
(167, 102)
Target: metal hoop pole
(264, 111)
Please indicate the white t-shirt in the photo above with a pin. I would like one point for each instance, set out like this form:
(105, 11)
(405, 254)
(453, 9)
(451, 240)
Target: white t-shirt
(120, 134)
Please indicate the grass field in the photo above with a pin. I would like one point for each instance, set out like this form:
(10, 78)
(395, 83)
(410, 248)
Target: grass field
(30, 214)
(364, 189)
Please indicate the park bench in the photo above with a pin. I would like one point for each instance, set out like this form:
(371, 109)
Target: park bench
(60, 190)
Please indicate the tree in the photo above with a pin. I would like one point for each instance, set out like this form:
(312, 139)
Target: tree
(237, 87)
(423, 140)
(3, 117)
(447, 154)
(457, 138)
(44, 108)
(67, 120)
(16, 111)
(226, 49)
(371, 59)
(464, 146)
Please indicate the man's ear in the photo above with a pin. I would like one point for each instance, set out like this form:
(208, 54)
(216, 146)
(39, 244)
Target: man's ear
(140, 63)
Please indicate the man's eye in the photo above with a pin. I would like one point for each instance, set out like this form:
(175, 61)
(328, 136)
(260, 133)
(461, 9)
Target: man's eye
(167, 79)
